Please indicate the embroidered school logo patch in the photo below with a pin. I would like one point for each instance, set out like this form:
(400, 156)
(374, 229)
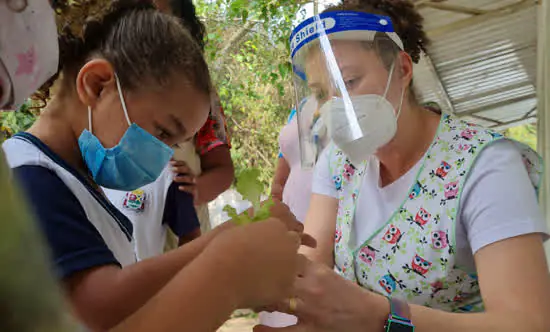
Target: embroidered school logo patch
(135, 200)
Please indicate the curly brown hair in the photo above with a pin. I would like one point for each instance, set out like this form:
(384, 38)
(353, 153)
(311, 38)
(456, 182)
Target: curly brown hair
(144, 45)
(406, 20)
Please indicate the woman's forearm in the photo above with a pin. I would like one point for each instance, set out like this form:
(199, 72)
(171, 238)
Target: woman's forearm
(192, 301)
(321, 224)
(431, 320)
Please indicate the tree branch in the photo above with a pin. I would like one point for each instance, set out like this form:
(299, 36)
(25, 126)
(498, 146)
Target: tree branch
(233, 42)
(264, 158)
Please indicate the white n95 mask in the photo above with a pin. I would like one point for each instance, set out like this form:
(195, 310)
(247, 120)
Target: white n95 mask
(376, 118)
(360, 125)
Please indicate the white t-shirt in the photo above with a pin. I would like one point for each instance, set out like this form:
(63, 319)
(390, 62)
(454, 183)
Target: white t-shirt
(498, 200)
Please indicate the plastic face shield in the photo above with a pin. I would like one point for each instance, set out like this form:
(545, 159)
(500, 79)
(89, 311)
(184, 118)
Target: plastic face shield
(336, 57)
(312, 131)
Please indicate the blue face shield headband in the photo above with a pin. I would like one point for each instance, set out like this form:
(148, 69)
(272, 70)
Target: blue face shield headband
(138, 159)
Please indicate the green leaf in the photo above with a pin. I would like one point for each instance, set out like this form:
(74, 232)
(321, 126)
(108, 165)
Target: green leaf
(281, 90)
(231, 211)
(239, 219)
(249, 186)
(283, 70)
(265, 211)
(235, 6)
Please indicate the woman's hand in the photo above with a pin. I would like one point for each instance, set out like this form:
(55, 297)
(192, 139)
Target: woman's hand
(184, 177)
(326, 302)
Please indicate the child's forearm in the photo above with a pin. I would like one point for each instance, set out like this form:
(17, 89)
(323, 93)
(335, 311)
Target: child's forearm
(199, 298)
(124, 291)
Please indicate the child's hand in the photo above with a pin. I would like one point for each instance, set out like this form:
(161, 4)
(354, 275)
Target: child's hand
(262, 258)
(184, 177)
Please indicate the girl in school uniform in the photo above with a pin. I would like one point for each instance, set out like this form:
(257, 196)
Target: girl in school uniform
(173, 210)
(115, 114)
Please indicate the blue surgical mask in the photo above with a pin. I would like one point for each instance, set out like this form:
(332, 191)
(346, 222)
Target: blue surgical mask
(138, 159)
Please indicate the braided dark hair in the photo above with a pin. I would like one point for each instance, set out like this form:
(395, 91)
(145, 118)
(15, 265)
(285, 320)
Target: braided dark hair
(141, 43)
(408, 23)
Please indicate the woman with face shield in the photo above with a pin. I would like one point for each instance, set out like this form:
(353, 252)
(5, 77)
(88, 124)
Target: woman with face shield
(416, 213)
(116, 110)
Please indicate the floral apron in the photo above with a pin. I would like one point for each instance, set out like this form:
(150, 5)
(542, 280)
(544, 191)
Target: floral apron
(413, 256)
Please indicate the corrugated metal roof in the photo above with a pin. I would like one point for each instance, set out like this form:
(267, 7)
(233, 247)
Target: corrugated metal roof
(482, 65)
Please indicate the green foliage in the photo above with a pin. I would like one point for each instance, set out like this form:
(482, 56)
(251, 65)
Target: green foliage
(251, 188)
(248, 51)
(526, 134)
(20, 120)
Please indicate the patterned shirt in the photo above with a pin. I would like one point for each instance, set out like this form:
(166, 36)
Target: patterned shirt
(214, 132)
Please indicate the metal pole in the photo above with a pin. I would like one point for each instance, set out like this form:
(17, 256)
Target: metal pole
(543, 91)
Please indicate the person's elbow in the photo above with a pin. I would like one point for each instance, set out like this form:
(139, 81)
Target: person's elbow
(218, 161)
(96, 300)
(229, 171)
(225, 177)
